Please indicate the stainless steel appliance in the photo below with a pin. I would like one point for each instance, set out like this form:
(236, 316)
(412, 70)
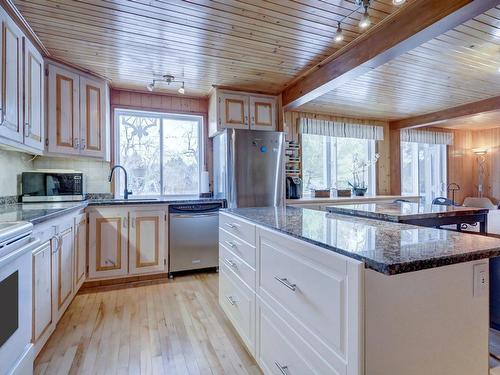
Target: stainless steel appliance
(249, 168)
(16, 246)
(193, 236)
(52, 186)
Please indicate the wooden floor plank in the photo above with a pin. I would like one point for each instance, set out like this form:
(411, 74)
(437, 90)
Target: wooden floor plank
(168, 327)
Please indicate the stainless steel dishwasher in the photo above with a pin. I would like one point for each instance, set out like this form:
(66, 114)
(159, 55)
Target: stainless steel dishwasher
(193, 236)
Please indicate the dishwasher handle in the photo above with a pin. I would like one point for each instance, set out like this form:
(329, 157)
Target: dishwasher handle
(193, 216)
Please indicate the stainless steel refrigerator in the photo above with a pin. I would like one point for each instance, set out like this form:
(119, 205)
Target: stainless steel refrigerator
(249, 168)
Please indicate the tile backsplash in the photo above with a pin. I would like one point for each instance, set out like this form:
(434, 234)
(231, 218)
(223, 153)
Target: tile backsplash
(95, 171)
(12, 164)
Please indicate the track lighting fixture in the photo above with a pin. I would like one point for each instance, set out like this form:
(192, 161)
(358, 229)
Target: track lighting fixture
(168, 78)
(365, 19)
(398, 2)
(339, 34)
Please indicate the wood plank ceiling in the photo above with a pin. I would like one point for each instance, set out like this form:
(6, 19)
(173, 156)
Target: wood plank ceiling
(249, 44)
(459, 67)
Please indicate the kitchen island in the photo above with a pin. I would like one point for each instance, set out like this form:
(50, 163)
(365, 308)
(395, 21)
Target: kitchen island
(312, 292)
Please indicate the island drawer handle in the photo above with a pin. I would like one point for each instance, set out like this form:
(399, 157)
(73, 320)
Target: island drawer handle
(286, 283)
(231, 244)
(231, 263)
(232, 225)
(231, 300)
(283, 369)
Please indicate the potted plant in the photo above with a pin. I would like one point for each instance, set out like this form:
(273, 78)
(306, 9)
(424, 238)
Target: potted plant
(359, 170)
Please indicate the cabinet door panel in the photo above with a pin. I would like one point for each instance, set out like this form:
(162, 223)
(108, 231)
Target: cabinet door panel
(42, 290)
(12, 84)
(80, 250)
(33, 103)
(65, 269)
(147, 241)
(92, 117)
(108, 235)
(262, 113)
(64, 116)
(233, 111)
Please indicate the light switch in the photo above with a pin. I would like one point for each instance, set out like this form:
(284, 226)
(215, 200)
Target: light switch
(481, 280)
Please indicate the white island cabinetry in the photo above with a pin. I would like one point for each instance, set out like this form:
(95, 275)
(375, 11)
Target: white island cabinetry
(303, 309)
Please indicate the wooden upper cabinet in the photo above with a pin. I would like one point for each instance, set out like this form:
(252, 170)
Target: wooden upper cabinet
(92, 117)
(77, 113)
(262, 113)
(147, 242)
(34, 134)
(233, 111)
(12, 81)
(64, 111)
(241, 110)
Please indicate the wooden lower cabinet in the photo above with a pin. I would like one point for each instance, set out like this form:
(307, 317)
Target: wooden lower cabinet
(63, 260)
(108, 243)
(146, 242)
(80, 250)
(42, 289)
(126, 241)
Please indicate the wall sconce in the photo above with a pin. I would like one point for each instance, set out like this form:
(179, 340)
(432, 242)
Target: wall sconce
(481, 161)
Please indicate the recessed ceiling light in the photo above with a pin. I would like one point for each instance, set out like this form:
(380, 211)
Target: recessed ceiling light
(398, 2)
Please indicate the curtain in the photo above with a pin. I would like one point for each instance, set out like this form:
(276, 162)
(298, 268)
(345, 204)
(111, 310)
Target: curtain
(345, 128)
(426, 136)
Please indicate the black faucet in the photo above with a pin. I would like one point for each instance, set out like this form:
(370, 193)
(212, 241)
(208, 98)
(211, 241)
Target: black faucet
(126, 192)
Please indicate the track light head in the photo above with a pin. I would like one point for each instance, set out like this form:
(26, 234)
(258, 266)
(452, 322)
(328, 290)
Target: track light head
(365, 21)
(339, 34)
(151, 86)
(398, 2)
(181, 89)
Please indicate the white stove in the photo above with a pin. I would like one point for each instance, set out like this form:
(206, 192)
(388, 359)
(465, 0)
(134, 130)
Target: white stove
(16, 246)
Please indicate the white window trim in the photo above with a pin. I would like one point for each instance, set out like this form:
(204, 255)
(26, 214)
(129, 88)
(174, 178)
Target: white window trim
(330, 169)
(161, 115)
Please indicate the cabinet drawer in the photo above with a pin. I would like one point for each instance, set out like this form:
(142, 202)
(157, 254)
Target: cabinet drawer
(282, 351)
(241, 229)
(238, 302)
(309, 284)
(238, 247)
(237, 266)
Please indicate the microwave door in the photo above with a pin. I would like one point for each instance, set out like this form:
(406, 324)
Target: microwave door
(51, 185)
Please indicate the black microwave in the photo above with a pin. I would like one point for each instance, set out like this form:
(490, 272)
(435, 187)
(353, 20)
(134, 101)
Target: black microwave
(52, 186)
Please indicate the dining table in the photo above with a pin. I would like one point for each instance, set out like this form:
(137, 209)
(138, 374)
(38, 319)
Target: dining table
(422, 214)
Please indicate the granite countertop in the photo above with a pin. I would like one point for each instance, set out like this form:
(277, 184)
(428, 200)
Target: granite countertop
(353, 199)
(37, 213)
(401, 211)
(387, 247)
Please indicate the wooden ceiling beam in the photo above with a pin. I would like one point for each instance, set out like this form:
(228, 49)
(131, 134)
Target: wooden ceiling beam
(482, 106)
(406, 29)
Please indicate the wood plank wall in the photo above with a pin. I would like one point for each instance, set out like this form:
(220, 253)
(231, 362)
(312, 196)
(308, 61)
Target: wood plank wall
(460, 164)
(490, 139)
(290, 127)
(156, 102)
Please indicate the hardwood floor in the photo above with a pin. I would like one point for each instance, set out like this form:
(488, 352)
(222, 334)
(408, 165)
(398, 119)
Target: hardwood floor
(168, 327)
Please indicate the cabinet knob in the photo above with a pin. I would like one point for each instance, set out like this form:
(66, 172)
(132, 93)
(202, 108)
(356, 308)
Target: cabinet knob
(83, 144)
(76, 144)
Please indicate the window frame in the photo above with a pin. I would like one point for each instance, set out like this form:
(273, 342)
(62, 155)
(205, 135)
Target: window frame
(161, 115)
(442, 168)
(331, 168)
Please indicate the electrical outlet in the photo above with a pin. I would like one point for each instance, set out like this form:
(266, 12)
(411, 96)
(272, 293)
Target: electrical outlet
(481, 280)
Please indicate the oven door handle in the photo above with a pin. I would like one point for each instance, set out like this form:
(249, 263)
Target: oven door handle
(14, 254)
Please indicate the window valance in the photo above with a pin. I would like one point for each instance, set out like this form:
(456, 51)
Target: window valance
(426, 136)
(345, 128)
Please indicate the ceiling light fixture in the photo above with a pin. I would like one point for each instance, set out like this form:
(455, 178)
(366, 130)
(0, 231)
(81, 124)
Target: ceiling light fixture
(339, 34)
(398, 2)
(168, 78)
(365, 19)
